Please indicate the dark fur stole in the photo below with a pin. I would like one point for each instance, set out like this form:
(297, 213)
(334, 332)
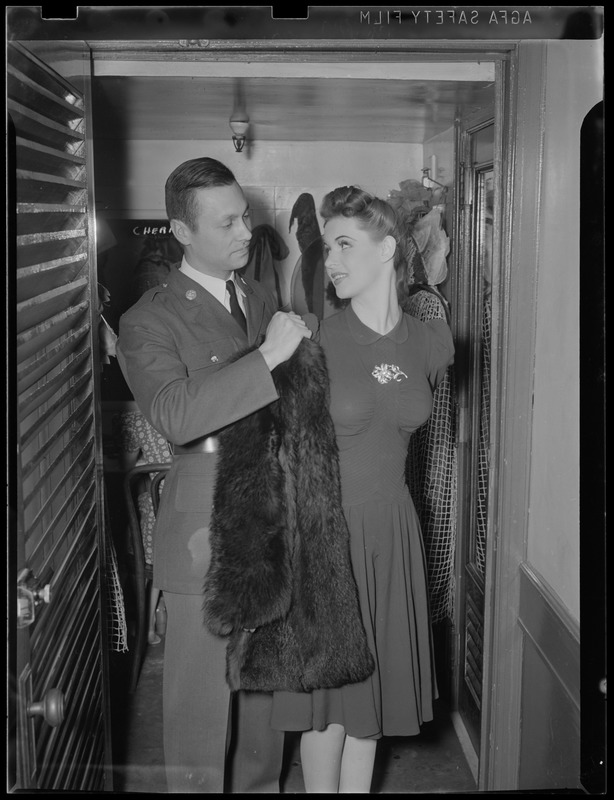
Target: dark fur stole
(280, 583)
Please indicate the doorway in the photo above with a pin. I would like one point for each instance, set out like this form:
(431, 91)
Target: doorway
(438, 158)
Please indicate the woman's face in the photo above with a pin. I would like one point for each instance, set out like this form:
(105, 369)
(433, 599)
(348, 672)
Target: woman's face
(354, 260)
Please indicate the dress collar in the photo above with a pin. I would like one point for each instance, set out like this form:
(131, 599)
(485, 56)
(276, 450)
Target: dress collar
(365, 335)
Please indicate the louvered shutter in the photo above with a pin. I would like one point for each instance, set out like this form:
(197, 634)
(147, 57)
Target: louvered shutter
(58, 518)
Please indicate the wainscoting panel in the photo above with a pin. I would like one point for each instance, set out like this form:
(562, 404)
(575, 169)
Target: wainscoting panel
(550, 735)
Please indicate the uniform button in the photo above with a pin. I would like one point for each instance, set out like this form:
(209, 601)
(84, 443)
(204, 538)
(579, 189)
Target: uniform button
(190, 294)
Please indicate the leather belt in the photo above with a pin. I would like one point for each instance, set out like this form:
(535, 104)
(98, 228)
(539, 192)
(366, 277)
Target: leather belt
(209, 444)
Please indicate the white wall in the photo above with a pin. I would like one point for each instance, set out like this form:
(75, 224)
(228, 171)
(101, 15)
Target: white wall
(130, 176)
(574, 86)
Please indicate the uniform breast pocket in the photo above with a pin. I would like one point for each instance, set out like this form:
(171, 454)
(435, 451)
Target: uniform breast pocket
(208, 354)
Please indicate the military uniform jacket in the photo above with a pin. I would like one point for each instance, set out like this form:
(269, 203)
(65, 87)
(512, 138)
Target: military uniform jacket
(176, 348)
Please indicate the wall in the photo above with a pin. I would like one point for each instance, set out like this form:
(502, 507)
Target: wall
(130, 178)
(553, 718)
(574, 85)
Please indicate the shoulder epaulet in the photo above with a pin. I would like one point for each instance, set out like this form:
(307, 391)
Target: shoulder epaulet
(161, 289)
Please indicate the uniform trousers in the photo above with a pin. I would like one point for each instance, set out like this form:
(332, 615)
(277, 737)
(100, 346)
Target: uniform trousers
(214, 740)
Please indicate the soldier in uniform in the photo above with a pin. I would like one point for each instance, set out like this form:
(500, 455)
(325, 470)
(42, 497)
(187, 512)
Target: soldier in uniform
(178, 349)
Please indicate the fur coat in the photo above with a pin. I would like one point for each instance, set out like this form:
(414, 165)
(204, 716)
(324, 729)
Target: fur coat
(280, 584)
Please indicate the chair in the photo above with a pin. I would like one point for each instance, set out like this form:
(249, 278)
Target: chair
(143, 572)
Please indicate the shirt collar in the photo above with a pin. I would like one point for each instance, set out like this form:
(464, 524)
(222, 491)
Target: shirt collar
(215, 286)
(365, 335)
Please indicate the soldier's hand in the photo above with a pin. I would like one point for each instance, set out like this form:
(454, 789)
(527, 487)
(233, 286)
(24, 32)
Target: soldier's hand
(283, 335)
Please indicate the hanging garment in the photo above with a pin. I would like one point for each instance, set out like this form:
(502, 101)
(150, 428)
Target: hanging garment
(431, 472)
(280, 583)
(431, 462)
(433, 244)
(107, 339)
(412, 200)
(310, 266)
(265, 248)
(158, 256)
(117, 629)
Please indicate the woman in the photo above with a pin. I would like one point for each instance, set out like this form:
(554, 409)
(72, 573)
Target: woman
(384, 366)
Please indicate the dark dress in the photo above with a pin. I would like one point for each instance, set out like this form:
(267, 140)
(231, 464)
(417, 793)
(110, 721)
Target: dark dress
(381, 391)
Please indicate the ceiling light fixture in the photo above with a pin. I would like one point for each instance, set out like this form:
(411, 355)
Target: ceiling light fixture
(239, 123)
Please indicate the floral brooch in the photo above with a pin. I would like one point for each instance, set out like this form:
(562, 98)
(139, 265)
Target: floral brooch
(388, 372)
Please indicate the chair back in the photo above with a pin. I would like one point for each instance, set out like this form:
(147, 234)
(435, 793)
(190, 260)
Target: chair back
(155, 485)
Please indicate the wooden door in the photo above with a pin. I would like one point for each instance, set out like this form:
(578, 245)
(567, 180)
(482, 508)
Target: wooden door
(58, 710)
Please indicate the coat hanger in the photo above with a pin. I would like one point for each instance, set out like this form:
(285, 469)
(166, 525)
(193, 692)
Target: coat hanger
(427, 181)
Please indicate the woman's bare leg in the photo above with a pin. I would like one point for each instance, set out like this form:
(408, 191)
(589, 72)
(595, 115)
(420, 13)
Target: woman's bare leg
(321, 753)
(357, 765)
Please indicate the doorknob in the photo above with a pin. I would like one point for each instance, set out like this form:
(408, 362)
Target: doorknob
(51, 708)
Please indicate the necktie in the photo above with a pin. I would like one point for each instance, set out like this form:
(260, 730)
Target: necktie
(235, 308)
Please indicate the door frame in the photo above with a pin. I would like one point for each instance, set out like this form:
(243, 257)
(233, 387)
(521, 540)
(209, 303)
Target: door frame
(512, 320)
(519, 125)
(512, 413)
